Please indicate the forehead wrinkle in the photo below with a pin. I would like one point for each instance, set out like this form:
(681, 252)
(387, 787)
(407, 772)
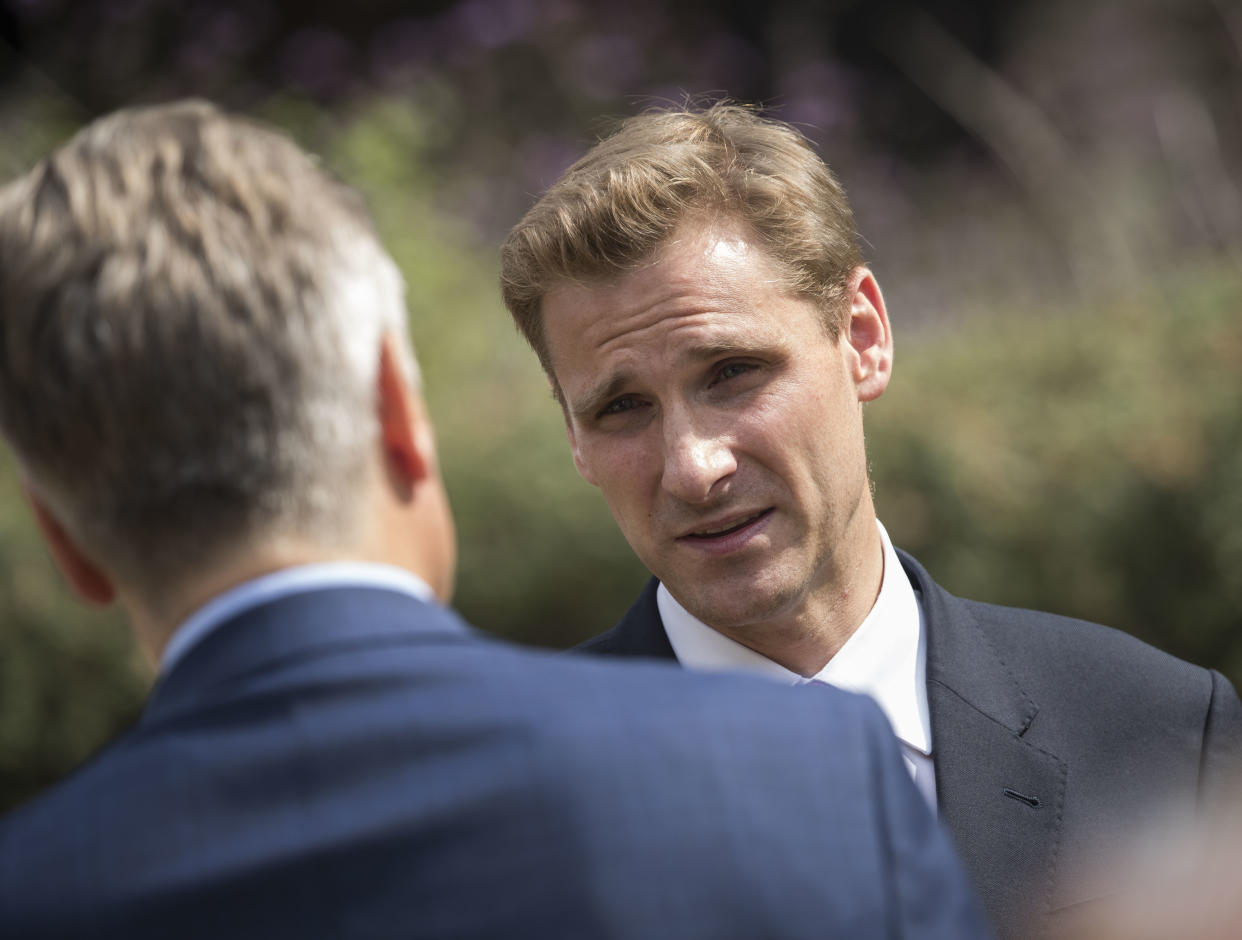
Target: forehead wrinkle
(705, 285)
(672, 302)
(624, 375)
(697, 293)
(716, 342)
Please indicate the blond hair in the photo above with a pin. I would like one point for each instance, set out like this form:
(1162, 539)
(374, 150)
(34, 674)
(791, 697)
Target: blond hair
(617, 205)
(190, 322)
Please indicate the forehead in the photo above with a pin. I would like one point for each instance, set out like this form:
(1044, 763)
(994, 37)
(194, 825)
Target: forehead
(705, 283)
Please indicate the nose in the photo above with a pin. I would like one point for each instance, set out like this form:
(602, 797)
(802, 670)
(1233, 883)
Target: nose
(696, 460)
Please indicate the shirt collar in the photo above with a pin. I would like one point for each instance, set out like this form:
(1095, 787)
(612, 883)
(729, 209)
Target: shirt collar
(886, 657)
(279, 584)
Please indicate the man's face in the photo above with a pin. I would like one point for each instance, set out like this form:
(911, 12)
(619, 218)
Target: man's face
(723, 424)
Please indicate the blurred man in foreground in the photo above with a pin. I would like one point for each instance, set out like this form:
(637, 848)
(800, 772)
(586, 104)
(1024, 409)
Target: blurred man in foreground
(694, 289)
(205, 375)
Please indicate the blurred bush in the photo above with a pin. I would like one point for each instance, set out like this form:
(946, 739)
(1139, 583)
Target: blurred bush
(69, 677)
(1087, 461)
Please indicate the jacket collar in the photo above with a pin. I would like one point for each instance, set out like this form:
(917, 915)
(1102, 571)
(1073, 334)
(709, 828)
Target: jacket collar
(298, 625)
(639, 633)
(1001, 796)
(963, 659)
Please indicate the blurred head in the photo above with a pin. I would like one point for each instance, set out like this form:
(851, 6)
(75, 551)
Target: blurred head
(194, 319)
(613, 208)
(693, 288)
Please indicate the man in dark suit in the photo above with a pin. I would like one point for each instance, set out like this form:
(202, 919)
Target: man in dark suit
(205, 376)
(694, 289)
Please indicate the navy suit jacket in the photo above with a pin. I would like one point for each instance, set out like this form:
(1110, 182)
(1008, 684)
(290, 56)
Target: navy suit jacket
(352, 763)
(1053, 739)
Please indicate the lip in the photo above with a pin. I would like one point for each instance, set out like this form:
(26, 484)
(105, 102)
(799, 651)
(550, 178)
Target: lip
(731, 539)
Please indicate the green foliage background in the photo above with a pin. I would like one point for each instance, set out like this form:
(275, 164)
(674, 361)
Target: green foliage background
(1086, 460)
(1083, 461)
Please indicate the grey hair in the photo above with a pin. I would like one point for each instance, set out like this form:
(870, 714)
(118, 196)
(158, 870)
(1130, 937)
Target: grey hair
(190, 322)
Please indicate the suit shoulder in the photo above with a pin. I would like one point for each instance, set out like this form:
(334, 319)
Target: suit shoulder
(660, 699)
(644, 687)
(1035, 640)
(1093, 675)
(37, 836)
(646, 723)
(1036, 637)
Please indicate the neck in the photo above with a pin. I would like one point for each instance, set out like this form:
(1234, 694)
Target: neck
(410, 532)
(154, 620)
(804, 639)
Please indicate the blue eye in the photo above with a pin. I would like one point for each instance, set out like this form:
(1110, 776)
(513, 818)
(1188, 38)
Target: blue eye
(616, 407)
(731, 370)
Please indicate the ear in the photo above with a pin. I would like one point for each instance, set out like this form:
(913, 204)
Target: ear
(405, 430)
(584, 470)
(579, 463)
(87, 580)
(868, 338)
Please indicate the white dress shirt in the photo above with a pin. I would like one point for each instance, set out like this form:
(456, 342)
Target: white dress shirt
(886, 658)
(283, 583)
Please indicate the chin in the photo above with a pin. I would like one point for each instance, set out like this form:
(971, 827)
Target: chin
(741, 604)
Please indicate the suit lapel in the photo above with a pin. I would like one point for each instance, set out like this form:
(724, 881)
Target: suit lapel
(639, 633)
(1000, 796)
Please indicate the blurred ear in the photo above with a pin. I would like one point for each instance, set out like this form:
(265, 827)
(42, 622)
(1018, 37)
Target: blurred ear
(868, 338)
(87, 580)
(559, 394)
(583, 470)
(405, 429)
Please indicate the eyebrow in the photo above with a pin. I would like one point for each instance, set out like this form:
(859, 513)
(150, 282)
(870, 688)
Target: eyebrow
(597, 396)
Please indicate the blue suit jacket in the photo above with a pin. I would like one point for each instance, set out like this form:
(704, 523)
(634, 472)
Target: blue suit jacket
(1054, 740)
(351, 763)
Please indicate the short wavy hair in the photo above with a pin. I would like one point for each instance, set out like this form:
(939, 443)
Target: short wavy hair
(190, 322)
(618, 204)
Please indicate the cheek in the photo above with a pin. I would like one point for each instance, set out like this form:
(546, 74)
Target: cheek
(619, 468)
(789, 423)
(803, 438)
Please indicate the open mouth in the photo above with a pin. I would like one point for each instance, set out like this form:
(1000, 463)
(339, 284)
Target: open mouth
(728, 528)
